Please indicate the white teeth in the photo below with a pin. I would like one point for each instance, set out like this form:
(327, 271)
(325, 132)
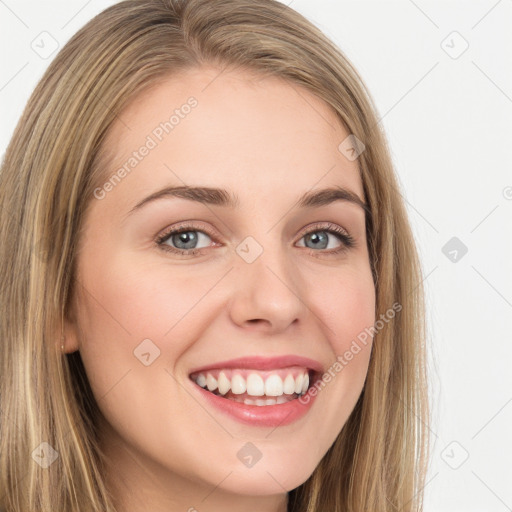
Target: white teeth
(305, 384)
(238, 385)
(260, 401)
(201, 380)
(255, 385)
(298, 384)
(274, 386)
(224, 383)
(288, 385)
(211, 382)
(269, 401)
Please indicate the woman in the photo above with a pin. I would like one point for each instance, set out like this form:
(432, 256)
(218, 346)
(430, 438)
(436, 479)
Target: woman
(211, 295)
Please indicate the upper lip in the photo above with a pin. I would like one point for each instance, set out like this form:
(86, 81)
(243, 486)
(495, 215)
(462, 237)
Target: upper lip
(263, 363)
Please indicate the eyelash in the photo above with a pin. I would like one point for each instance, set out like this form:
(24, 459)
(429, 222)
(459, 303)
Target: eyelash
(346, 239)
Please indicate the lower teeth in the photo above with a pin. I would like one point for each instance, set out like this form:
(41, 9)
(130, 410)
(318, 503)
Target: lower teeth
(261, 401)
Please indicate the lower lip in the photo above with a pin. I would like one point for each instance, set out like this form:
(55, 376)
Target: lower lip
(263, 416)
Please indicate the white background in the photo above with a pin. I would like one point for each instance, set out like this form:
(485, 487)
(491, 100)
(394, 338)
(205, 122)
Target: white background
(449, 125)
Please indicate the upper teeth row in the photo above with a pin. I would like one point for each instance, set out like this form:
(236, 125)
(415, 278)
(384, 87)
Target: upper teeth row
(254, 384)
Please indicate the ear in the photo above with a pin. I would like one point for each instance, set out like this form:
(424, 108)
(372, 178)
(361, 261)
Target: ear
(70, 330)
(70, 340)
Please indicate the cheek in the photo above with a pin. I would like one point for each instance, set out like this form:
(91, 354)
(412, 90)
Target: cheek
(346, 306)
(118, 309)
(137, 299)
(129, 302)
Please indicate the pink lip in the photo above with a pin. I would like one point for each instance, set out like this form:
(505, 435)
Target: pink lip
(259, 416)
(263, 363)
(268, 415)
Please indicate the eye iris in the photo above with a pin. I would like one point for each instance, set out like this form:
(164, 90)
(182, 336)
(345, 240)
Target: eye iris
(318, 238)
(187, 237)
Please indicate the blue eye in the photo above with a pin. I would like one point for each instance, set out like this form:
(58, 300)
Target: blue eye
(184, 240)
(320, 238)
(186, 237)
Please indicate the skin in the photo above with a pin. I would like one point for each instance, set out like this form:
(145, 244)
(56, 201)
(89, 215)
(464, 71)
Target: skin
(269, 142)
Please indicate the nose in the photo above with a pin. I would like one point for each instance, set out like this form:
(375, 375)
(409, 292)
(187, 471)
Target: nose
(266, 293)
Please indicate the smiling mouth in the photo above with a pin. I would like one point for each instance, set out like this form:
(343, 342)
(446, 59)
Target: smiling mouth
(255, 387)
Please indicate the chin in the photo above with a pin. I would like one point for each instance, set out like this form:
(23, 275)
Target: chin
(266, 479)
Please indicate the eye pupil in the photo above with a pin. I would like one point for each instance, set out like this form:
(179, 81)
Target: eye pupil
(187, 237)
(318, 237)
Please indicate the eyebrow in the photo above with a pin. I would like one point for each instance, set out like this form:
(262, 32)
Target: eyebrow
(221, 197)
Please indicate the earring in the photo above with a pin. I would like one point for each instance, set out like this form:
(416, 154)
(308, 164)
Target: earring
(62, 345)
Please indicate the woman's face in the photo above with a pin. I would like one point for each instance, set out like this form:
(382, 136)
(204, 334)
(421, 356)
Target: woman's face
(268, 278)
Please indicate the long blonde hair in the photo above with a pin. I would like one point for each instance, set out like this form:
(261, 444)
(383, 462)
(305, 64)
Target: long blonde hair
(51, 167)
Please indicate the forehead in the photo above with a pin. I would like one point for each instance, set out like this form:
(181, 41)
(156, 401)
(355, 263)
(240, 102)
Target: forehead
(234, 130)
